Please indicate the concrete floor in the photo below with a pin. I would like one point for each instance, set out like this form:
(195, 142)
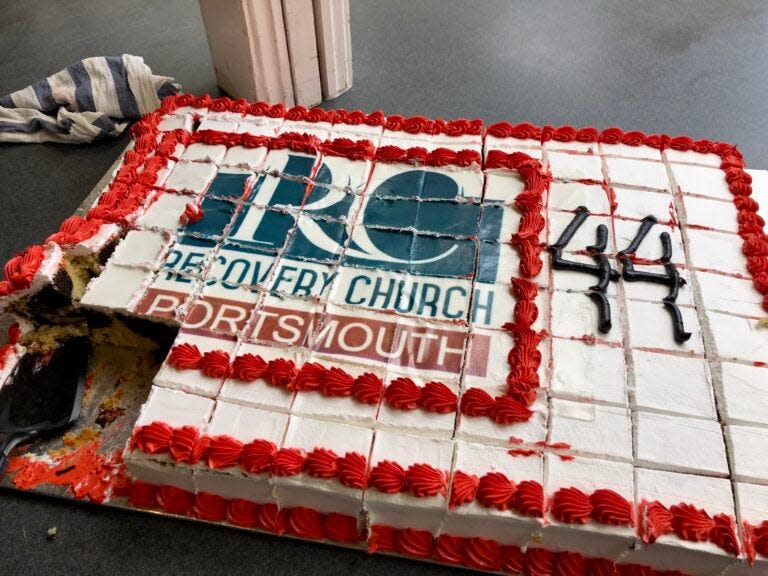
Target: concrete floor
(694, 68)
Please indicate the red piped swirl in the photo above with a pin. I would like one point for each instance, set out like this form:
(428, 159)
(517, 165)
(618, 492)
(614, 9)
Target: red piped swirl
(215, 364)
(242, 513)
(424, 480)
(403, 394)
(387, 477)
(463, 488)
(392, 154)
(296, 142)
(502, 409)
(322, 463)
(256, 456)
(352, 469)
(185, 356)
(337, 382)
(153, 438)
(288, 462)
(310, 377)
(248, 367)
(411, 125)
(281, 372)
(449, 549)
(20, 270)
(495, 490)
(74, 230)
(524, 131)
(358, 117)
(368, 388)
(609, 507)
(211, 507)
(415, 543)
(482, 554)
(436, 397)
(224, 451)
(571, 505)
(458, 127)
(344, 147)
(187, 446)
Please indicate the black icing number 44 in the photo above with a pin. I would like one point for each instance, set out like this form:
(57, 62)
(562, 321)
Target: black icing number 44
(605, 274)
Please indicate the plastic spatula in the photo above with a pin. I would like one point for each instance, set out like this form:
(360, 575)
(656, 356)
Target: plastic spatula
(44, 395)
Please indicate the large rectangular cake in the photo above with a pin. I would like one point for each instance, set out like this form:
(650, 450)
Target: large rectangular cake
(511, 348)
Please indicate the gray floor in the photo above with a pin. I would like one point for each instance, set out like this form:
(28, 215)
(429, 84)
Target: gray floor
(685, 67)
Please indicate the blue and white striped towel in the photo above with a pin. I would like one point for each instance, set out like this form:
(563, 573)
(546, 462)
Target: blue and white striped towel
(83, 102)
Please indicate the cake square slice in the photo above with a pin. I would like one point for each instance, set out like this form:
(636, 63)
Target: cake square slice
(495, 495)
(257, 434)
(231, 184)
(588, 372)
(502, 186)
(738, 338)
(205, 153)
(660, 493)
(239, 264)
(566, 166)
(652, 326)
(752, 505)
(591, 429)
(222, 308)
(252, 158)
(591, 507)
(568, 196)
(744, 398)
(637, 173)
(284, 321)
(168, 297)
(737, 296)
(332, 480)
(117, 288)
(407, 483)
(201, 380)
(701, 181)
(142, 248)
(191, 177)
(164, 212)
(747, 445)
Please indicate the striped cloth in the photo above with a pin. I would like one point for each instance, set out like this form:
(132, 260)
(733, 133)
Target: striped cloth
(83, 102)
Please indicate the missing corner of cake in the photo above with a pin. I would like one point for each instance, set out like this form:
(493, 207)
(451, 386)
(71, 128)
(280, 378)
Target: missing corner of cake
(517, 349)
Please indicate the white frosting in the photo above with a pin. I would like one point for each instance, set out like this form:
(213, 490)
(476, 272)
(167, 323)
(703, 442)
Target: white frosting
(594, 373)
(52, 257)
(403, 510)
(592, 429)
(250, 122)
(165, 212)
(637, 173)
(638, 204)
(337, 408)
(220, 121)
(141, 248)
(571, 195)
(9, 362)
(502, 306)
(530, 146)
(747, 444)
(588, 475)
(651, 247)
(584, 236)
(727, 294)
(175, 408)
(406, 140)
(738, 338)
(680, 444)
(259, 394)
(252, 158)
(200, 152)
(566, 166)
(503, 186)
(159, 470)
(320, 129)
(348, 174)
(474, 520)
(650, 326)
(575, 146)
(744, 394)
(701, 181)
(673, 385)
(484, 429)
(715, 214)
(691, 157)
(575, 315)
(357, 132)
(192, 177)
(194, 381)
(117, 288)
(626, 151)
(175, 122)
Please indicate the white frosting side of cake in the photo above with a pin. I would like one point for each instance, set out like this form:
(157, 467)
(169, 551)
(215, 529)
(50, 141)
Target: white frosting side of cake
(594, 373)
(565, 166)
(748, 448)
(175, 122)
(701, 181)
(680, 444)
(175, 408)
(194, 381)
(637, 173)
(106, 234)
(591, 429)
(673, 385)
(744, 394)
(117, 288)
(192, 177)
